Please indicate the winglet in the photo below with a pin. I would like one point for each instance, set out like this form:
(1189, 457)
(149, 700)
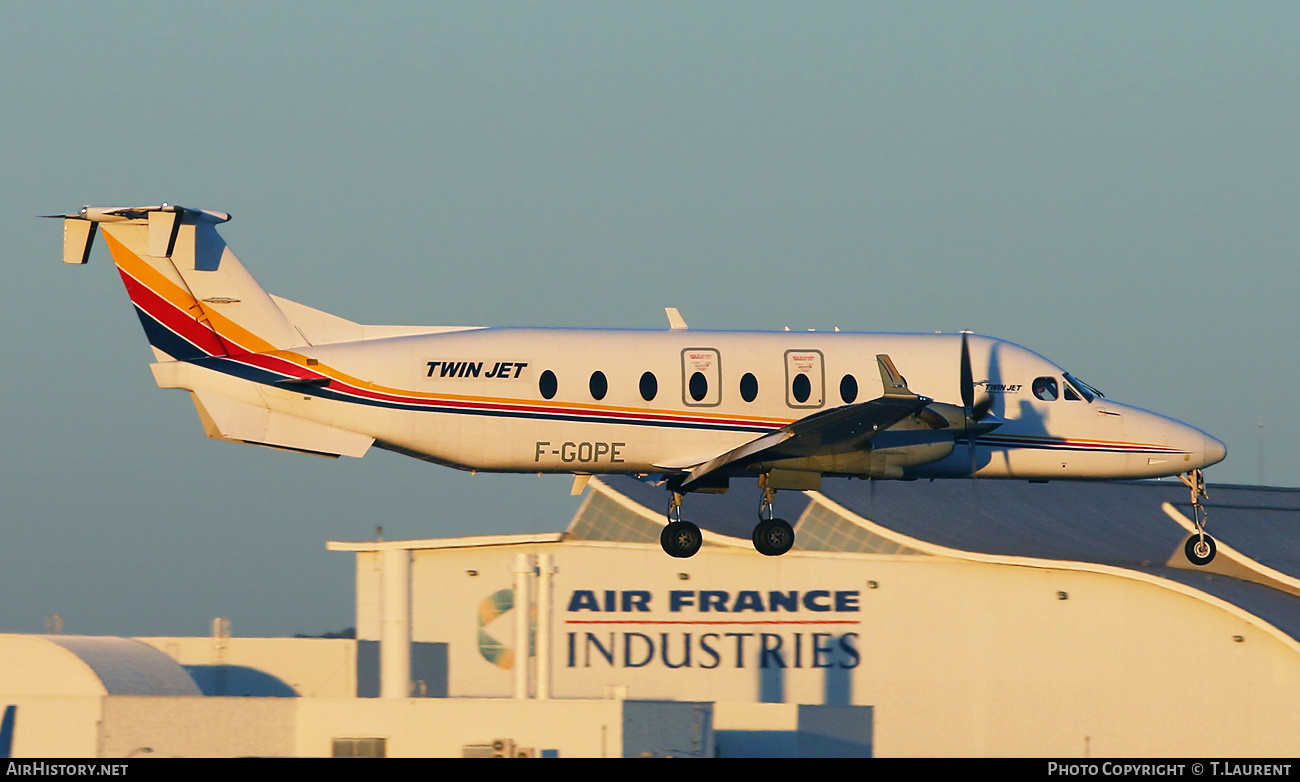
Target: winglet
(675, 320)
(895, 384)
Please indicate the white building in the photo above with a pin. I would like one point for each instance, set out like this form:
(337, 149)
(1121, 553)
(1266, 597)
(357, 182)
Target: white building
(911, 619)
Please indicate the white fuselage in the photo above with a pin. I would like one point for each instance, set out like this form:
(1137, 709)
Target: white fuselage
(684, 403)
(482, 399)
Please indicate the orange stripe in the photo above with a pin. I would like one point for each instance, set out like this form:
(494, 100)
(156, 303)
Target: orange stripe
(145, 273)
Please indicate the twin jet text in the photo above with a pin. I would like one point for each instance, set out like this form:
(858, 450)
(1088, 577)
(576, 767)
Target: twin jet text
(507, 370)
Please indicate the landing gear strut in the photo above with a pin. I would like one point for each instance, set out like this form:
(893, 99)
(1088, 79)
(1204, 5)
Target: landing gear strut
(679, 539)
(1200, 548)
(772, 536)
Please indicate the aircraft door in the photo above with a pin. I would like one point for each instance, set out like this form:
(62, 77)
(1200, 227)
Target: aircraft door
(805, 378)
(701, 377)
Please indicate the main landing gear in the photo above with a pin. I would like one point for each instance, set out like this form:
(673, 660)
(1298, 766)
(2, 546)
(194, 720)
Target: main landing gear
(772, 537)
(1200, 548)
(680, 538)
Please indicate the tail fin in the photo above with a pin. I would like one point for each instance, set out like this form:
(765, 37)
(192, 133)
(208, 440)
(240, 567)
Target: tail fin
(193, 296)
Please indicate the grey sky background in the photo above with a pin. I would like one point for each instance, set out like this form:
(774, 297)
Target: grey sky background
(1114, 185)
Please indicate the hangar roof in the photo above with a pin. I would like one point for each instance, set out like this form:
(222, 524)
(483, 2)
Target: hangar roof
(1131, 525)
(88, 665)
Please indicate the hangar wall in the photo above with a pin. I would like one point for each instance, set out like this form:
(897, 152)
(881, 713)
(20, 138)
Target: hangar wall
(956, 657)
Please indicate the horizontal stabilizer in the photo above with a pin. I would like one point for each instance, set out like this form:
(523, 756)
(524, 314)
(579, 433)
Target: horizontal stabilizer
(226, 419)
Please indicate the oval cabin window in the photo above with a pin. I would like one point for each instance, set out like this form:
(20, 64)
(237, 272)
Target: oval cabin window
(547, 384)
(649, 386)
(849, 389)
(749, 387)
(699, 386)
(801, 388)
(599, 385)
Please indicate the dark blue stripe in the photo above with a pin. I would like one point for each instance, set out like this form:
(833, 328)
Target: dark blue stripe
(167, 340)
(270, 378)
(1044, 446)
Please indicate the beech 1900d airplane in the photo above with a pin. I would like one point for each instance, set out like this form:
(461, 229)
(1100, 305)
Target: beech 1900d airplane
(690, 409)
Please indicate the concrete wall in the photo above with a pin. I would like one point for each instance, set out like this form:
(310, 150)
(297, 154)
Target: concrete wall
(143, 726)
(788, 730)
(169, 726)
(427, 727)
(56, 727)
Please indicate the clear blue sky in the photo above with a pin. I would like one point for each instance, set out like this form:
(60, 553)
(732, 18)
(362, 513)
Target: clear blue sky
(1114, 185)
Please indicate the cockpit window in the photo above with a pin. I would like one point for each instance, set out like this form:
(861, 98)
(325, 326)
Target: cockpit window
(1045, 388)
(1085, 390)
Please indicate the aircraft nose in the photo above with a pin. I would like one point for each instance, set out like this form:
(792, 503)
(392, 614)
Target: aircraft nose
(1213, 451)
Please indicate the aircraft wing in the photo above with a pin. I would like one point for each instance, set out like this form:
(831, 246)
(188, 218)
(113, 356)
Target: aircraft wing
(839, 430)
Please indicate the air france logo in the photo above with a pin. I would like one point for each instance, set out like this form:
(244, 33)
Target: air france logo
(713, 628)
(493, 607)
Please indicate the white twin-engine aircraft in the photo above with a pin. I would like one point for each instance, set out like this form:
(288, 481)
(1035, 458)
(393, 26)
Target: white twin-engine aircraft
(688, 408)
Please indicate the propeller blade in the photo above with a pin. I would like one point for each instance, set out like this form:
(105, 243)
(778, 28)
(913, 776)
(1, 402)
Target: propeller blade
(967, 379)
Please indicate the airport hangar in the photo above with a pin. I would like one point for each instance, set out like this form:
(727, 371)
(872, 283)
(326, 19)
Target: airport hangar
(951, 618)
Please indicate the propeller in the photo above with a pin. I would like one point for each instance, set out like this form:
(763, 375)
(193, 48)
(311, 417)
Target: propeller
(975, 412)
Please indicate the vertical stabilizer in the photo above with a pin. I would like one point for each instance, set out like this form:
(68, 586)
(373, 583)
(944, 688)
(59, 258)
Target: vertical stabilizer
(193, 296)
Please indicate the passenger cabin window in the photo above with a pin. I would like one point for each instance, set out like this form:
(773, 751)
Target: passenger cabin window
(649, 386)
(599, 385)
(547, 384)
(805, 378)
(849, 389)
(701, 377)
(801, 388)
(749, 387)
(1045, 388)
(699, 386)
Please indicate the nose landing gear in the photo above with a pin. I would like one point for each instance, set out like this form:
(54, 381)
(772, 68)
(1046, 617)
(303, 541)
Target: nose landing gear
(1200, 548)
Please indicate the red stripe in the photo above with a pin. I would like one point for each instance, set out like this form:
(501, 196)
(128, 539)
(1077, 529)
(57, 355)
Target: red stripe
(712, 622)
(170, 316)
(286, 367)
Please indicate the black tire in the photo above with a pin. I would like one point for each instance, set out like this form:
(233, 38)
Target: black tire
(681, 539)
(773, 537)
(1198, 552)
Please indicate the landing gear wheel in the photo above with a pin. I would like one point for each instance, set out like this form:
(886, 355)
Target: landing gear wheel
(773, 537)
(1200, 549)
(681, 539)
